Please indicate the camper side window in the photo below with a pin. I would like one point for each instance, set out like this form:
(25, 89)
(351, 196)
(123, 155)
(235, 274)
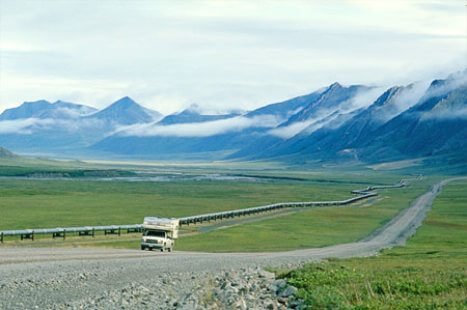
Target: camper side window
(154, 233)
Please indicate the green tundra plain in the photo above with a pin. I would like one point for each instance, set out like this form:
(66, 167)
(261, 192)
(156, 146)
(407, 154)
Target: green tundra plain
(44, 194)
(429, 272)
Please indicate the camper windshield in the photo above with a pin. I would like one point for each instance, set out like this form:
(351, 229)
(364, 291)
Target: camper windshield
(155, 233)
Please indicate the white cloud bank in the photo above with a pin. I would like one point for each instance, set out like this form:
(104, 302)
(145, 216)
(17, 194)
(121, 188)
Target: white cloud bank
(24, 126)
(287, 132)
(446, 114)
(28, 126)
(402, 100)
(324, 117)
(205, 129)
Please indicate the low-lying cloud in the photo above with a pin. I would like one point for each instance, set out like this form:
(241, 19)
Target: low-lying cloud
(287, 132)
(455, 80)
(323, 117)
(28, 126)
(410, 96)
(24, 126)
(69, 113)
(362, 99)
(448, 114)
(205, 129)
(403, 99)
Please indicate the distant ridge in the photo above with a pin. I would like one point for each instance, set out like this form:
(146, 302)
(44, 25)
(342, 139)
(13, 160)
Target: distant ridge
(336, 123)
(5, 153)
(43, 109)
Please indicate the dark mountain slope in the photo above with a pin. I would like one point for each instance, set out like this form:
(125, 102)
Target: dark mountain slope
(436, 125)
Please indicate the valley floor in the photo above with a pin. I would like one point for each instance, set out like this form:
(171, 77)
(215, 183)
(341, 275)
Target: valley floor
(67, 278)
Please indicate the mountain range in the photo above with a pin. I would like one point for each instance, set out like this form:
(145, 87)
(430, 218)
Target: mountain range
(336, 123)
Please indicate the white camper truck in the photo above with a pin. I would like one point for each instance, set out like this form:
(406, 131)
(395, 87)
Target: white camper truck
(159, 233)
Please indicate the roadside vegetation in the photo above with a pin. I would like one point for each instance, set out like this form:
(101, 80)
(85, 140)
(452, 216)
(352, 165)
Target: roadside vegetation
(430, 272)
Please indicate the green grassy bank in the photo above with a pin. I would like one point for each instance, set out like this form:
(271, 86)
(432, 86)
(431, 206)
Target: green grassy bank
(430, 272)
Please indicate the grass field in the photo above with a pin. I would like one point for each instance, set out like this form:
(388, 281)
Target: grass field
(309, 228)
(83, 201)
(430, 272)
(52, 203)
(78, 199)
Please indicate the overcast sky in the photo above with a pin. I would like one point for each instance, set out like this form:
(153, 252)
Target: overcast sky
(221, 55)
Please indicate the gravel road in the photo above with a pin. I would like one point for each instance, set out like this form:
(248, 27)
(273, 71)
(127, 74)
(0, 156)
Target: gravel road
(57, 278)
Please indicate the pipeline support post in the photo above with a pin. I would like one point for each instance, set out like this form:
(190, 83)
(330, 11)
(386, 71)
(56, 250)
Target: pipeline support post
(59, 234)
